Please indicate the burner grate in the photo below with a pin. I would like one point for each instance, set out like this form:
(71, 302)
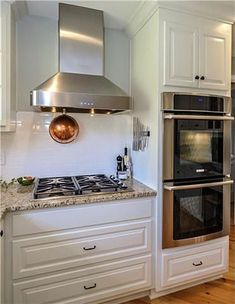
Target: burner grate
(95, 183)
(55, 186)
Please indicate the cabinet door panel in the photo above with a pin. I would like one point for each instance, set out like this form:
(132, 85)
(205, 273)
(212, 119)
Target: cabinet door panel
(181, 55)
(192, 264)
(106, 281)
(57, 251)
(215, 61)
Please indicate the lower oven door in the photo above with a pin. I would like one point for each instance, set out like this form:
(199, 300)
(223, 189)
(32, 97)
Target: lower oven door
(195, 213)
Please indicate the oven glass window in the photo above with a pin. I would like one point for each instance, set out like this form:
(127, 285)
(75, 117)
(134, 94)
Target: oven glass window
(198, 148)
(197, 212)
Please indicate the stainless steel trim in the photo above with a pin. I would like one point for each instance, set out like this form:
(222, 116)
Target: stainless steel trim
(168, 149)
(168, 212)
(199, 117)
(168, 101)
(227, 148)
(196, 186)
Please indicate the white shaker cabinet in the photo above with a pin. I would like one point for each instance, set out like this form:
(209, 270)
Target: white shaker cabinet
(92, 253)
(196, 51)
(7, 67)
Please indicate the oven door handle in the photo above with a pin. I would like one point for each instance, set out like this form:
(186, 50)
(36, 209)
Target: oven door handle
(195, 186)
(199, 117)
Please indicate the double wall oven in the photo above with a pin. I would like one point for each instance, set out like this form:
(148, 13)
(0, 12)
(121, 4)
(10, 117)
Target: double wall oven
(196, 168)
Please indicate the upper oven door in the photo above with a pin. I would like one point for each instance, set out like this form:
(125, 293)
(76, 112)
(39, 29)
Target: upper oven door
(196, 146)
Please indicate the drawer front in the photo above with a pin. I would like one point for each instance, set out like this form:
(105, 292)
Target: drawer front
(194, 263)
(57, 251)
(40, 221)
(70, 288)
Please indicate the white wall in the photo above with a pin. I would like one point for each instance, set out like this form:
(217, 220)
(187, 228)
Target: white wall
(37, 56)
(146, 105)
(30, 150)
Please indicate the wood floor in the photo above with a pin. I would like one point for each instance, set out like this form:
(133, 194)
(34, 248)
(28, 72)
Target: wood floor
(221, 291)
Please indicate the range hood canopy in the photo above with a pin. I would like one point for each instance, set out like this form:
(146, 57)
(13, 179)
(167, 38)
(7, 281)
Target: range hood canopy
(80, 85)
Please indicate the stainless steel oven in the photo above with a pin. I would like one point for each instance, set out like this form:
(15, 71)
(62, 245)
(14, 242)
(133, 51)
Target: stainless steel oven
(196, 168)
(196, 136)
(195, 212)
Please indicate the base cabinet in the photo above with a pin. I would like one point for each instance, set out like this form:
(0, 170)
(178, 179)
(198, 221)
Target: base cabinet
(187, 265)
(82, 254)
(76, 286)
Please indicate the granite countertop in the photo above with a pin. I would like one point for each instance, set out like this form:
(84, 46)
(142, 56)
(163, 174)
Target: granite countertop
(19, 198)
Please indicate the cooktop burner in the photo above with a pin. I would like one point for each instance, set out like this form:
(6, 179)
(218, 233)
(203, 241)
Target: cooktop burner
(76, 185)
(55, 186)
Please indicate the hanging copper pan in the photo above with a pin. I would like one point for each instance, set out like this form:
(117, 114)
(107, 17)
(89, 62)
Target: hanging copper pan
(64, 129)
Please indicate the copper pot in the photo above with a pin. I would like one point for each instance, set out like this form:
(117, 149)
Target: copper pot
(64, 129)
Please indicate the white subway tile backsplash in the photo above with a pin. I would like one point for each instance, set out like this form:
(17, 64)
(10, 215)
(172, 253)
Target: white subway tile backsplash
(31, 151)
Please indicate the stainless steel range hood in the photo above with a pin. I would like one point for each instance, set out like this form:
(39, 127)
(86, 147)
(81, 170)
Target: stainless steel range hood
(80, 86)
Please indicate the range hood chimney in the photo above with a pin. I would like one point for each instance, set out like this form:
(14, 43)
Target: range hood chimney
(80, 85)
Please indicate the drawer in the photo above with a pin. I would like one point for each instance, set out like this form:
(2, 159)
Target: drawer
(68, 249)
(40, 221)
(191, 264)
(89, 285)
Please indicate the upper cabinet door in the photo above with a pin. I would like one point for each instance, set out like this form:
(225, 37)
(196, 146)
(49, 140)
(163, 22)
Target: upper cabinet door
(215, 55)
(181, 54)
(7, 68)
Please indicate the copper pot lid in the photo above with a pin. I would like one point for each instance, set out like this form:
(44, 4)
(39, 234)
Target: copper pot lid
(64, 129)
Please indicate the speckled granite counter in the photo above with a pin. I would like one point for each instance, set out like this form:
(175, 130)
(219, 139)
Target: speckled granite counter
(18, 198)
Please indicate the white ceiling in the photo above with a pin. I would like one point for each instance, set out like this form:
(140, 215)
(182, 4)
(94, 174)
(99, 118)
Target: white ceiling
(117, 14)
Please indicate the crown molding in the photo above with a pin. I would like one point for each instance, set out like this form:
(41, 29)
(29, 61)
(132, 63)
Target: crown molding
(147, 8)
(140, 16)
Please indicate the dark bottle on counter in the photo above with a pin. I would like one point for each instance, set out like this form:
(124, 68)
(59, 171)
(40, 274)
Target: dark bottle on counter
(119, 163)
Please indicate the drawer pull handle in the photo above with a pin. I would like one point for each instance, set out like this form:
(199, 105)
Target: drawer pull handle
(89, 248)
(94, 286)
(197, 264)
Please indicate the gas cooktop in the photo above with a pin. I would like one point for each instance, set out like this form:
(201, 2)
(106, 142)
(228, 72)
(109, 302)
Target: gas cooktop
(77, 185)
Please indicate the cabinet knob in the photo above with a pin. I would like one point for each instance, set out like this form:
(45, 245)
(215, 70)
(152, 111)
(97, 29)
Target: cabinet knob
(202, 78)
(196, 77)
